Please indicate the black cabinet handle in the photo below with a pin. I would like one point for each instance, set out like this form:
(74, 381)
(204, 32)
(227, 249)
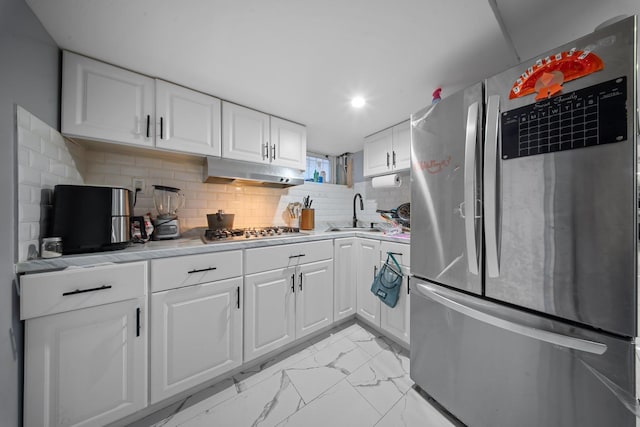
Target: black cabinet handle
(148, 124)
(387, 159)
(408, 285)
(273, 152)
(394, 159)
(375, 271)
(138, 321)
(293, 283)
(238, 297)
(300, 281)
(202, 270)
(161, 128)
(82, 291)
(296, 256)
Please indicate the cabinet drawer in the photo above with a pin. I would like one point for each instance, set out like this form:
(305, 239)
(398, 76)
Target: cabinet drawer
(172, 273)
(272, 257)
(60, 291)
(397, 248)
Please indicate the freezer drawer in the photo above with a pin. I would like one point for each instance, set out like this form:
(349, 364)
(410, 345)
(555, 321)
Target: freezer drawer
(495, 366)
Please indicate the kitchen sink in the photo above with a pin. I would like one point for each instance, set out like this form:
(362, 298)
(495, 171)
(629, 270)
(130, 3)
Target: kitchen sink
(354, 229)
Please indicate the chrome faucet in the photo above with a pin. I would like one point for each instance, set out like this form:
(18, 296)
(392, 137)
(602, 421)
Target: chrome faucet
(355, 218)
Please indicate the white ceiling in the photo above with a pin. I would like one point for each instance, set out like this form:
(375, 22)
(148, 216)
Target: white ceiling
(303, 60)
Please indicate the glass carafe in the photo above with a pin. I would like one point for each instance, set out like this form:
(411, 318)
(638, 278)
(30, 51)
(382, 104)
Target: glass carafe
(167, 201)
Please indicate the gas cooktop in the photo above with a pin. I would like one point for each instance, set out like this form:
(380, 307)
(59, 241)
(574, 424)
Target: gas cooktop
(224, 235)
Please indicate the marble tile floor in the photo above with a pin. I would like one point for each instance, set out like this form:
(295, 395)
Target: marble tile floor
(350, 376)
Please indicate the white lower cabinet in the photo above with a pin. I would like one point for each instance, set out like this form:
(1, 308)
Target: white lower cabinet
(368, 265)
(196, 320)
(345, 290)
(86, 348)
(288, 302)
(314, 297)
(196, 335)
(371, 256)
(395, 321)
(269, 315)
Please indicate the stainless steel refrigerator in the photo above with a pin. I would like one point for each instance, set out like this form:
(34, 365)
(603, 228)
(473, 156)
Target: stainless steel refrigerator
(524, 240)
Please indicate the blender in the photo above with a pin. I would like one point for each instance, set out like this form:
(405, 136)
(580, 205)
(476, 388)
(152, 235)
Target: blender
(167, 201)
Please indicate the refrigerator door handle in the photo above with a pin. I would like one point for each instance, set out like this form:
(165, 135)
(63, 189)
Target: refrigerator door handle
(456, 302)
(490, 182)
(470, 187)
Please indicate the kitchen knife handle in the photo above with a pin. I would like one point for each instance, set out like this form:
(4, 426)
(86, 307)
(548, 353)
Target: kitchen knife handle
(301, 281)
(490, 182)
(202, 270)
(148, 124)
(161, 127)
(471, 142)
(293, 282)
(82, 291)
(138, 322)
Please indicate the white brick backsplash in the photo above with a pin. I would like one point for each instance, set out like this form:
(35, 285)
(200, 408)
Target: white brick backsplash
(29, 139)
(24, 119)
(118, 159)
(28, 212)
(43, 162)
(40, 128)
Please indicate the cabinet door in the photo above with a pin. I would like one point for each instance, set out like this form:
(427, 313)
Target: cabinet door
(377, 153)
(187, 120)
(401, 154)
(86, 367)
(368, 264)
(314, 297)
(104, 102)
(196, 335)
(344, 285)
(269, 311)
(245, 134)
(395, 320)
(289, 144)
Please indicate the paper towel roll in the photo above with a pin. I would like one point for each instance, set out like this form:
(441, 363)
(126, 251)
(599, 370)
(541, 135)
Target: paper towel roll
(386, 181)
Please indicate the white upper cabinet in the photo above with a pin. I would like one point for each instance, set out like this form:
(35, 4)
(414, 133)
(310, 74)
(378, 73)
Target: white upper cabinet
(253, 136)
(288, 144)
(388, 150)
(103, 102)
(186, 120)
(401, 153)
(245, 134)
(377, 153)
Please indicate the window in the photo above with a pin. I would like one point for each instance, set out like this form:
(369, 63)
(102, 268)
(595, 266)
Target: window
(320, 163)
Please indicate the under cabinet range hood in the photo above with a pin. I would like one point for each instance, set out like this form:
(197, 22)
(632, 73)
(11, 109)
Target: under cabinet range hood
(227, 171)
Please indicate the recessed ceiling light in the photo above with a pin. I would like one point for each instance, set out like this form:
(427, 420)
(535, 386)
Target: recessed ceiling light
(358, 102)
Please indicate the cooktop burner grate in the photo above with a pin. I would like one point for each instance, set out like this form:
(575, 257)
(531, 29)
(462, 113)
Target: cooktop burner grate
(211, 236)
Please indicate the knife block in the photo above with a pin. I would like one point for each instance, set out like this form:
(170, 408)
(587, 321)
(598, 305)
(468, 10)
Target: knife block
(307, 219)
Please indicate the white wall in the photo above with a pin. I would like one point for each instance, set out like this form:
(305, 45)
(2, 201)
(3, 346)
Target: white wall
(29, 76)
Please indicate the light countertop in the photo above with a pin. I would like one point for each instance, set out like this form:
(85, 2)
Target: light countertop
(190, 245)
